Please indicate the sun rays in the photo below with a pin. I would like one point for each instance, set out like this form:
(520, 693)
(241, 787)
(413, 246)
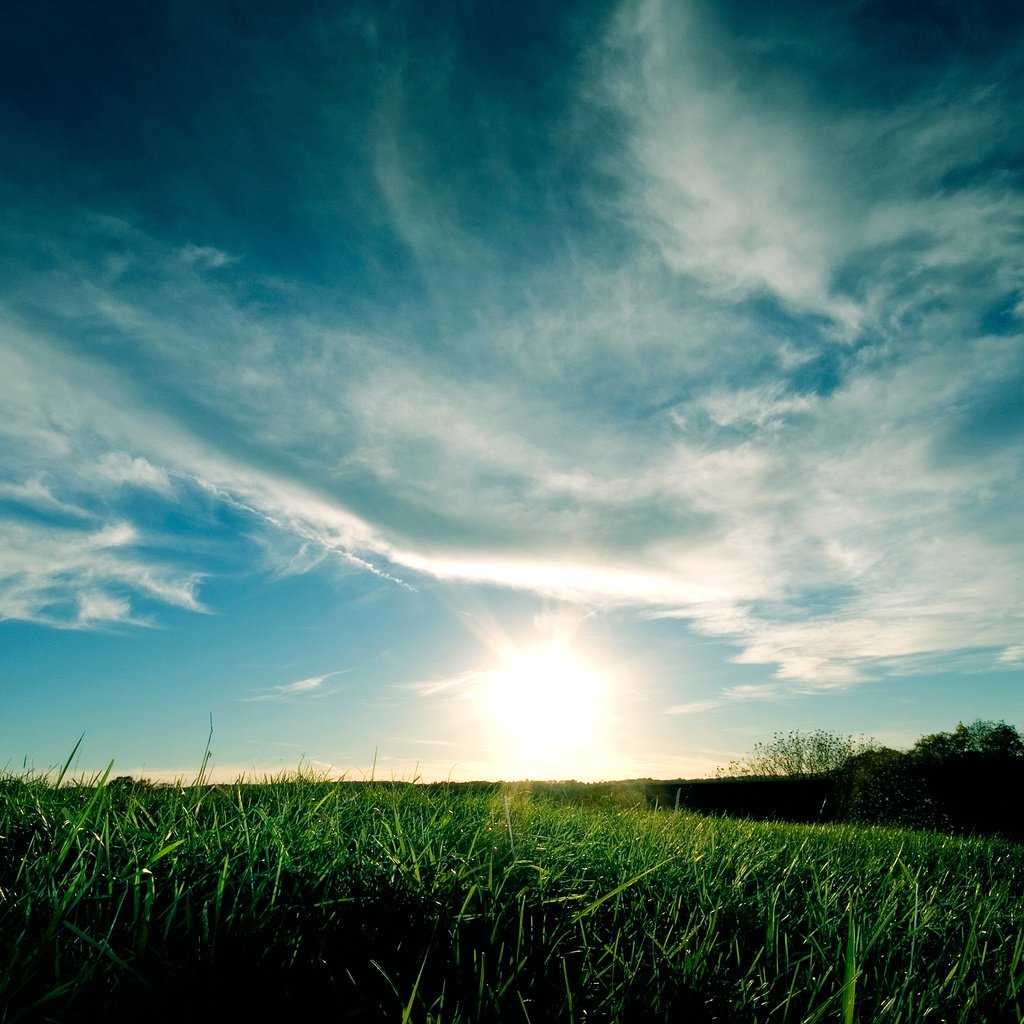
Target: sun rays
(546, 707)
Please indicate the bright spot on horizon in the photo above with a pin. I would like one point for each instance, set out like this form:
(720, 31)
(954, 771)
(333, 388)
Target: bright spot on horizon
(547, 706)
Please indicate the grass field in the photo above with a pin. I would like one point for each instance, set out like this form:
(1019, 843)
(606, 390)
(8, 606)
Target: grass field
(393, 902)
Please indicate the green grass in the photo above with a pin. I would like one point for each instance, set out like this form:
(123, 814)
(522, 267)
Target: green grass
(406, 903)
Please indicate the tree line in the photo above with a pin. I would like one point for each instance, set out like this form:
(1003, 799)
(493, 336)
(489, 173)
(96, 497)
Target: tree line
(965, 780)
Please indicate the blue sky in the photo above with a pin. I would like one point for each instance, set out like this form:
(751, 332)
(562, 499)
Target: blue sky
(485, 391)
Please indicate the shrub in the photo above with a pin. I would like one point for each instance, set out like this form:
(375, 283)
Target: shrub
(799, 753)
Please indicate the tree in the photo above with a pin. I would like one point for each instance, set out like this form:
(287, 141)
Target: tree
(796, 753)
(969, 771)
(979, 739)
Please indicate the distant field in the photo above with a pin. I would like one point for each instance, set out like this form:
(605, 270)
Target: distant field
(402, 903)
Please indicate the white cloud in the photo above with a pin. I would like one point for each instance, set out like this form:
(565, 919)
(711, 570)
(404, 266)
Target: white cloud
(75, 578)
(754, 187)
(121, 467)
(35, 493)
(298, 688)
(303, 685)
(733, 189)
(694, 708)
(205, 257)
(841, 494)
(1012, 655)
(98, 607)
(635, 434)
(758, 691)
(760, 407)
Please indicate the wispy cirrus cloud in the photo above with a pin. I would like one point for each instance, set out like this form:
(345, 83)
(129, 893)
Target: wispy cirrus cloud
(768, 390)
(762, 691)
(82, 578)
(755, 183)
(728, 508)
(34, 493)
(299, 689)
(694, 707)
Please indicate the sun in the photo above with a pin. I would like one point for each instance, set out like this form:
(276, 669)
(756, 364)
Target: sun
(546, 704)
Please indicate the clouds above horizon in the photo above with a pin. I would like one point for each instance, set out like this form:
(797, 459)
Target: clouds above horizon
(681, 308)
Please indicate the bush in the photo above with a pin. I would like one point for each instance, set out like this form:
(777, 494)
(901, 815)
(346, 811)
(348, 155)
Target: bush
(882, 786)
(799, 753)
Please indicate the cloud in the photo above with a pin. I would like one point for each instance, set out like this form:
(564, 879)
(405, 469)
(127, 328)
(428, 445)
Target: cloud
(300, 688)
(758, 691)
(303, 685)
(760, 390)
(756, 177)
(97, 607)
(205, 257)
(75, 578)
(733, 192)
(34, 493)
(1012, 655)
(460, 686)
(728, 507)
(120, 467)
(694, 708)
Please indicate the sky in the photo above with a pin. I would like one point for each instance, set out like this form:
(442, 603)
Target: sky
(478, 390)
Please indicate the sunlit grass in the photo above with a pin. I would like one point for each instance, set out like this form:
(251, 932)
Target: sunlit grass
(392, 902)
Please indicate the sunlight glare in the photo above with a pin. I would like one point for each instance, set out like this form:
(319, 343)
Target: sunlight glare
(548, 705)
